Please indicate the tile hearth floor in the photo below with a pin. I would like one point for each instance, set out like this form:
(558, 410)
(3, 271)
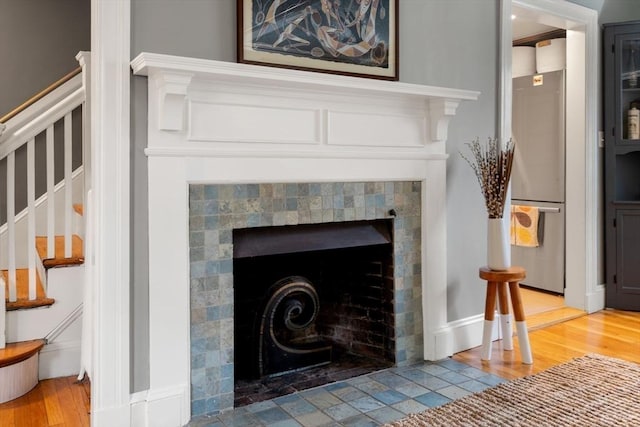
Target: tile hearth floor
(368, 400)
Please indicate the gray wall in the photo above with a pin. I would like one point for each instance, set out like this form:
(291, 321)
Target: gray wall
(619, 11)
(454, 43)
(39, 40)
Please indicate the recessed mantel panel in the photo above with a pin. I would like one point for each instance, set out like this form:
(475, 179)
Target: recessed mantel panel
(374, 129)
(253, 123)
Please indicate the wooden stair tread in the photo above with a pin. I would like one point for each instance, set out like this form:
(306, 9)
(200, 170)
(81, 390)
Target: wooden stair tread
(17, 352)
(22, 290)
(79, 208)
(77, 254)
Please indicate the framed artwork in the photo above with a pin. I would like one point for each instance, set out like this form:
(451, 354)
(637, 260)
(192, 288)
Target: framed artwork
(352, 37)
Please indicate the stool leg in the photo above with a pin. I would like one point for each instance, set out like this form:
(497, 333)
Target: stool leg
(505, 317)
(521, 324)
(489, 310)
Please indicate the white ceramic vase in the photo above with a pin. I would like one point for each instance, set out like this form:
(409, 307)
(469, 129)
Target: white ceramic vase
(498, 248)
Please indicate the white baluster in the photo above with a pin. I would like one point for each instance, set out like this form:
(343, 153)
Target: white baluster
(11, 225)
(68, 185)
(31, 216)
(51, 195)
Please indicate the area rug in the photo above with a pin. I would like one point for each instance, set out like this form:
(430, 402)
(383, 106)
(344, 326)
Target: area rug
(592, 390)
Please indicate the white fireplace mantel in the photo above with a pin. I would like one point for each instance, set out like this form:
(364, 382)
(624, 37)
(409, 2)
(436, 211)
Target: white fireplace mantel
(218, 122)
(176, 77)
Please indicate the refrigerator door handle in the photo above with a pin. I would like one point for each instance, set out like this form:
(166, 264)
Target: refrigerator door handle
(548, 210)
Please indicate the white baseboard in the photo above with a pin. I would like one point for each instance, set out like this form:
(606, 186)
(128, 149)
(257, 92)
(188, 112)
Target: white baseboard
(595, 300)
(167, 407)
(467, 333)
(138, 403)
(110, 416)
(59, 359)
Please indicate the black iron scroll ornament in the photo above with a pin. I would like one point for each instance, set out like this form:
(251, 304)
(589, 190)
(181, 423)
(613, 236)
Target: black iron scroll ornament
(287, 336)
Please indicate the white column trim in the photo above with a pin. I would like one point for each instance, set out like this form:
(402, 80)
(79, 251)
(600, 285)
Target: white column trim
(581, 274)
(506, 83)
(110, 46)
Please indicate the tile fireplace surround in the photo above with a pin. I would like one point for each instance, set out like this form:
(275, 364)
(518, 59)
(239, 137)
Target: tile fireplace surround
(217, 125)
(215, 210)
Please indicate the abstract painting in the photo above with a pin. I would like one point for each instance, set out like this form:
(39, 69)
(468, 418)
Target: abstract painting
(354, 37)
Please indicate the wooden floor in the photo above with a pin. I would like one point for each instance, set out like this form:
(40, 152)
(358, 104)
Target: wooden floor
(56, 402)
(64, 402)
(544, 309)
(607, 332)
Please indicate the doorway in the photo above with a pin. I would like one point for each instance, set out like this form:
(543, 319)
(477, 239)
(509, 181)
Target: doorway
(583, 289)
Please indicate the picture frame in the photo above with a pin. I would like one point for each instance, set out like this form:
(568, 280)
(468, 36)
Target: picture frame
(348, 37)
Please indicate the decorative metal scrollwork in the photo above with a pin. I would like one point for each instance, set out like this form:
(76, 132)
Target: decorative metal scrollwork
(287, 337)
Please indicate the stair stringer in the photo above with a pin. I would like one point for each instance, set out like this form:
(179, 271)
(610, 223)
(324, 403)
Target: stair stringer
(61, 357)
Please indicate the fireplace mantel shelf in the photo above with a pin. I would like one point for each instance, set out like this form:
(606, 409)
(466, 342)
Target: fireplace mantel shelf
(177, 77)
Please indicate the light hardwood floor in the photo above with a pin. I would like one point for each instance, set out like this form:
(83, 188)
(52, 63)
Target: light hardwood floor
(64, 402)
(608, 332)
(56, 402)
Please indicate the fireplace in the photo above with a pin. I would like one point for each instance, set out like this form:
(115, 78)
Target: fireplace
(305, 294)
(244, 141)
(357, 244)
(311, 297)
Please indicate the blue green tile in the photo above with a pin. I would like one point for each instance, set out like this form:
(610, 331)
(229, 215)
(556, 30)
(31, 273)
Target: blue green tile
(491, 380)
(453, 377)
(341, 411)
(452, 365)
(474, 386)
(432, 399)
(272, 415)
(336, 386)
(366, 404)
(454, 392)
(298, 407)
(359, 421)
(385, 415)
(390, 397)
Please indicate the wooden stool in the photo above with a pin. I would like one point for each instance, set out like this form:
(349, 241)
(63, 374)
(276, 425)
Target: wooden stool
(497, 285)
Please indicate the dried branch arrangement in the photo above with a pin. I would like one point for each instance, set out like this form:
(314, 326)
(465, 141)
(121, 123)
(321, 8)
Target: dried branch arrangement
(492, 166)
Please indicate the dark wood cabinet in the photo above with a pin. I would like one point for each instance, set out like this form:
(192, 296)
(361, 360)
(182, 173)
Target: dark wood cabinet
(621, 85)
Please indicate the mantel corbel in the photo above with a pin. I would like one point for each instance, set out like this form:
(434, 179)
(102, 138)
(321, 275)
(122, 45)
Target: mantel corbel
(172, 94)
(441, 110)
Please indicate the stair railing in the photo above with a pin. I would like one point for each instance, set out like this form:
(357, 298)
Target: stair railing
(38, 118)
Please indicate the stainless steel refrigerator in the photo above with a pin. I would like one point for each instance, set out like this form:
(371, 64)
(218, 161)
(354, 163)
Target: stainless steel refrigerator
(538, 176)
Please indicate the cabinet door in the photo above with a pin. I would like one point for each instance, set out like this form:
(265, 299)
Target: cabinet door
(625, 292)
(627, 67)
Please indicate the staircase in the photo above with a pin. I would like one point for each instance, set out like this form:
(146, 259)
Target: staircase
(43, 149)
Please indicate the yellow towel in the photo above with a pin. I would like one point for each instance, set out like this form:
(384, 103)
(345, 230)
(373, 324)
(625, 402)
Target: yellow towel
(524, 226)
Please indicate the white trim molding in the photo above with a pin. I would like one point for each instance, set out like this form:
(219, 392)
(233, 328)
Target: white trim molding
(582, 288)
(110, 103)
(237, 123)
